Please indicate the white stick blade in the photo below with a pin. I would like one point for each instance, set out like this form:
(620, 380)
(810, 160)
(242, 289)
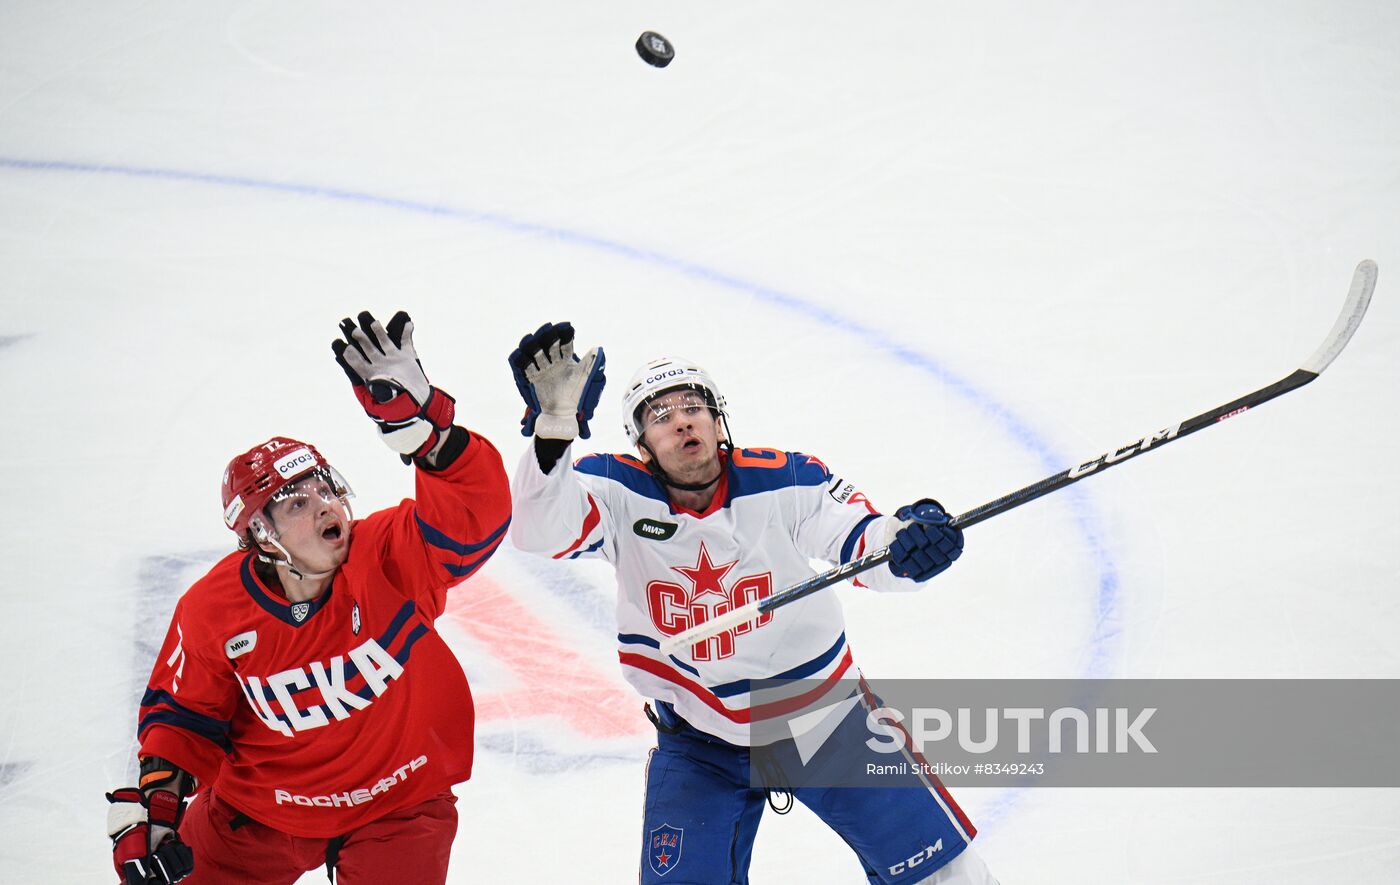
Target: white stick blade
(713, 627)
(1363, 283)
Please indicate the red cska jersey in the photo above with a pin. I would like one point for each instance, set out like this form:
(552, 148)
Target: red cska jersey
(316, 717)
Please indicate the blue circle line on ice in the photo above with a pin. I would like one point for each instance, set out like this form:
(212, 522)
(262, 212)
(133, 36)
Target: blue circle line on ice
(1106, 602)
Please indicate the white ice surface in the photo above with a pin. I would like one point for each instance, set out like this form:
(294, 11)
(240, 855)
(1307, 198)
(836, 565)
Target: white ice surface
(950, 248)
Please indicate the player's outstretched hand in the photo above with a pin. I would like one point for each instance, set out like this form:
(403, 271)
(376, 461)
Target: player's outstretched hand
(927, 544)
(146, 849)
(560, 390)
(389, 382)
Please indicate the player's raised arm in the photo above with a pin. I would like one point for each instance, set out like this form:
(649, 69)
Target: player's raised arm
(461, 507)
(556, 513)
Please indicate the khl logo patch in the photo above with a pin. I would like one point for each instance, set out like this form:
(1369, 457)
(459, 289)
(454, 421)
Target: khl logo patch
(355, 619)
(665, 849)
(300, 611)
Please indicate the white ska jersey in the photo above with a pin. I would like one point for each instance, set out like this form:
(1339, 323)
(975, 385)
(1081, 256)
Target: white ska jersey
(772, 514)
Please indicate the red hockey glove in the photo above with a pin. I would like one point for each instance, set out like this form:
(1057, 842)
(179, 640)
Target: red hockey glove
(146, 850)
(389, 382)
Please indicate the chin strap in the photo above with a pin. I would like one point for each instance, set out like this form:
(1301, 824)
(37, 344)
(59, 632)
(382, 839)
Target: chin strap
(287, 561)
(654, 465)
(270, 537)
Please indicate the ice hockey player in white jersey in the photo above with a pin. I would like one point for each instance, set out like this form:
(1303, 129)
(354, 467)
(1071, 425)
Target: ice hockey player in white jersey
(696, 527)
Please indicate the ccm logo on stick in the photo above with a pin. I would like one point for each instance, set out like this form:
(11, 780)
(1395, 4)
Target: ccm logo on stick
(1131, 449)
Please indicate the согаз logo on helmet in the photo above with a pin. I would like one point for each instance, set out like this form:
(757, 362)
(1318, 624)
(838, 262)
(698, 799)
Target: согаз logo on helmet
(285, 467)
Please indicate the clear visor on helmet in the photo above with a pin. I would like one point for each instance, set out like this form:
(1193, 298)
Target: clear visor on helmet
(676, 405)
(304, 497)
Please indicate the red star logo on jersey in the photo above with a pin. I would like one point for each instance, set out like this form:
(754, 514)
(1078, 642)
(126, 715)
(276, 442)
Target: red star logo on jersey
(673, 608)
(705, 576)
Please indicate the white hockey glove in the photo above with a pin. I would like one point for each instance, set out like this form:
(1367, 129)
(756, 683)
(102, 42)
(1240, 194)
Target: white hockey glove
(560, 390)
(383, 367)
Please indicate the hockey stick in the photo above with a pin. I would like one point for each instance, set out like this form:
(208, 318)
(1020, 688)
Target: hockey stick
(1363, 282)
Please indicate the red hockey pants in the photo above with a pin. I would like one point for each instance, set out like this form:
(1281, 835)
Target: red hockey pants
(411, 845)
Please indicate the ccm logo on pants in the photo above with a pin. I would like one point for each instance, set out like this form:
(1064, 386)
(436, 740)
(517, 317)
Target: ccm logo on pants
(910, 862)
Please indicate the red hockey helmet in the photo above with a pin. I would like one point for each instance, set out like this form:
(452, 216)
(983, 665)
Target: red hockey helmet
(254, 478)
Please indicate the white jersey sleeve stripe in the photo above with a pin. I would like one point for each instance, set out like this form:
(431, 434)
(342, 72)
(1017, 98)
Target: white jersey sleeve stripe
(857, 536)
(590, 522)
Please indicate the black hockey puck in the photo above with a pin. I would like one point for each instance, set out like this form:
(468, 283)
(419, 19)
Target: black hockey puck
(655, 49)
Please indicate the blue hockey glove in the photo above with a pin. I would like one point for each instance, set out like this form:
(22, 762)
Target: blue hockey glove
(560, 390)
(927, 544)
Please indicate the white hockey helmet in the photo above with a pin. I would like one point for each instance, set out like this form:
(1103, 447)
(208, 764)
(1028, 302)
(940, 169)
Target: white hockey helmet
(663, 375)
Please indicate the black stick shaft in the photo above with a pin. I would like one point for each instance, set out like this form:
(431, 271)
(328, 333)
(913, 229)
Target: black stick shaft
(1051, 483)
(1363, 283)
(1118, 456)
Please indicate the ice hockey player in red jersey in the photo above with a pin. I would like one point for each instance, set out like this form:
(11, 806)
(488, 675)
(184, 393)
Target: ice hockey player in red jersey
(302, 694)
